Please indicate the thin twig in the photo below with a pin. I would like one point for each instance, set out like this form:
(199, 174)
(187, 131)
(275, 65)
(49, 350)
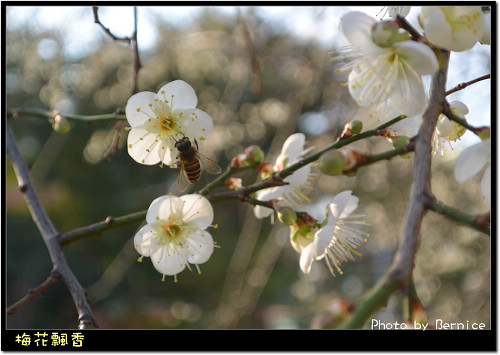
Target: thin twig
(107, 30)
(48, 232)
(475, 222)
(53, 278)
(40, 113)
(468, 83)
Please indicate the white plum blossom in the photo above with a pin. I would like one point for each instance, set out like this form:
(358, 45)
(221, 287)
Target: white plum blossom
(379, 73)
(336, 240)
(158, 120)
(447, 130)
(455, 28)
(175, 234)
(472, 161)
(298, 183)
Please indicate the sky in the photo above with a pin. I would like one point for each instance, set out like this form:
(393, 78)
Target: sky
(317, 24)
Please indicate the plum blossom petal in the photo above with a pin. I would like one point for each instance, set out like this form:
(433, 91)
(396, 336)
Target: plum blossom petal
(455, 28)
(472, 161)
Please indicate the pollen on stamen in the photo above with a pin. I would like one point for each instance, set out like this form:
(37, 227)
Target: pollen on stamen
(139, 259)
(138, 109)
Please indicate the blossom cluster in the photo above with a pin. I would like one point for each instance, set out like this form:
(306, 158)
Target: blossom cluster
(384, 64)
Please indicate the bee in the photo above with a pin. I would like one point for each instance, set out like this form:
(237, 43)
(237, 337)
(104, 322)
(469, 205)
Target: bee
(190, 161)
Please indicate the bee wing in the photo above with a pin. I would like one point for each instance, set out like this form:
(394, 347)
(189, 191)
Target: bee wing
(209, 165)
(182, 180)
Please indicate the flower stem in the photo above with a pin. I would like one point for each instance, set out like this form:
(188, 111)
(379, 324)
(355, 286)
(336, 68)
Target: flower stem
(458, 216)
(338, 144)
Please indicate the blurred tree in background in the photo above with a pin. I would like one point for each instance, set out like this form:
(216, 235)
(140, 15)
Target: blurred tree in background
(259, 85)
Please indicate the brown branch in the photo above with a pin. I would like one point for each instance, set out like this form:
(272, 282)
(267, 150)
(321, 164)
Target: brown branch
(399, 274)
(402, 266)
(107, 30)
(242, 194)
(464, 85)
(48, 232)
(33, 293)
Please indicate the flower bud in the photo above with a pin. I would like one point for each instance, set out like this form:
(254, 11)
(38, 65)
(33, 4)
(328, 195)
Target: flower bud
(287, 216)
(60, 124)
(238, 161)
(254, 154)
(265, 169)
(331, 163)
(352, 128)
(233, 183)
(386, 34)
(352, 157)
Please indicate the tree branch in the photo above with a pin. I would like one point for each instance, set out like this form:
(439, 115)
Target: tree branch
(474, 222)
(48, 232)
(34, 112)
(464, 85)
(53, 278)
(399, 274)
(107, 30)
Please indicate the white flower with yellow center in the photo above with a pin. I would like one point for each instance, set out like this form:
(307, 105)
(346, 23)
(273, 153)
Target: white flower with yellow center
(336, 240)
(391, 70)
(175, 234)
(455, 28)
(472, 161)
(298, 184)
(447, 130)
(158, 120)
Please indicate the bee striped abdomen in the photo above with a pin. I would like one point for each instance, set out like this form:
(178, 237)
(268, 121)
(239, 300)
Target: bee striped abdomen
(193, 170)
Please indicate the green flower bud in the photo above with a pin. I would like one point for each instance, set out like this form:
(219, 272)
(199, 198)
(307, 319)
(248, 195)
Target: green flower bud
(60, 124)
(287, 216)
(254, 154)
(355, 126)
(331, 163)
(352, 128)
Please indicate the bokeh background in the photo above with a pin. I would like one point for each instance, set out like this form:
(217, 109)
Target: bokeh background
(57, 58)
